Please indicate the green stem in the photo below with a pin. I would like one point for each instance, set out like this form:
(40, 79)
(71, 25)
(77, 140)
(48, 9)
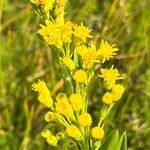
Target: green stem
(64, 122)
(67, 80)
(104, 114)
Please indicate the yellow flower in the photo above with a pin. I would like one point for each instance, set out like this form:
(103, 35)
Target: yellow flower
(117, 91)
(81, 33)
(80, 76)
(46, 133)
(51, 34)
(51, 139)
(46, 4)
(97, 133)
(60, 20)
(76, 101)
(46, 100)
(67, 32)
(107, 98)
(85, 120)
(40, 87)
(74, 132)
(110, 76)
(63, 107)
(107, 51)
(61, 96)
(44, 94)
(50, 116)
(81, 49)
(69, 63)
(59, 7)
(88, 54)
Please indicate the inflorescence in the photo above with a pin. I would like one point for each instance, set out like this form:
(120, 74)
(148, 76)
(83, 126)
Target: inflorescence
(78, 55)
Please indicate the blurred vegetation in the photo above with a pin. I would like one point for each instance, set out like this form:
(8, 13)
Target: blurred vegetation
(24, 59)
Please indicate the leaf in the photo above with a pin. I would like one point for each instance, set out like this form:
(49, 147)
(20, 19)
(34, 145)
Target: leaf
(123, 141)
(111, 142)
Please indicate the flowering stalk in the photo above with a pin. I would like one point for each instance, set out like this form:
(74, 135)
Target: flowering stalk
(77, 59)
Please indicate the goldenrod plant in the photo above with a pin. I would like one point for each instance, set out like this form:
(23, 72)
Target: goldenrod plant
(77, 54)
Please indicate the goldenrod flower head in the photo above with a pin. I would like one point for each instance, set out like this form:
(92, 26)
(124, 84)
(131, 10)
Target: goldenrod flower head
(46, 100)
(44, 94)
(85, 120)
(50, 116)
(107, 51)
(69, 63)
(117, 91)
(67, 32)
(88, 54)
(51, 139)
(61, 96)
(51, 34)
(76, 101)
(110, 76)
(59, 7)
(81, 49)
(46, 4)
(81, 33)
(46, 133)
(107, 98)
(60, 20)
(97, 133)
(74, 132)
(80, 76)
(40, 87)
(63, 107)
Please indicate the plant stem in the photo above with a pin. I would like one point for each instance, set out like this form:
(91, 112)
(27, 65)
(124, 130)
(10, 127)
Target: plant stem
(104, 114)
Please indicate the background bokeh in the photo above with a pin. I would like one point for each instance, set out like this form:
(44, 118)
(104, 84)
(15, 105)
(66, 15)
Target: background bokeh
(24, 58)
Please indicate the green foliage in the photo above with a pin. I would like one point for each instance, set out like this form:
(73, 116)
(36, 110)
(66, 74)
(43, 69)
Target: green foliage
(123, 142)
(111, 142)
(114, 142)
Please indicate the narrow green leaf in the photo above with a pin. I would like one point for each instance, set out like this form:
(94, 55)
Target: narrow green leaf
(123, 141)
(111, 142)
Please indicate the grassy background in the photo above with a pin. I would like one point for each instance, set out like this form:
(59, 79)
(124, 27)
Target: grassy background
(24, 59)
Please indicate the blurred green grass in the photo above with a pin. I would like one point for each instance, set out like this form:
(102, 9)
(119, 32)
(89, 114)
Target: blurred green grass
(24, 59)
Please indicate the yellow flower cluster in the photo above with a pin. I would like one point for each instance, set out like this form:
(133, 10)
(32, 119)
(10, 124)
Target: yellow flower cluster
(56, 33)
(90, 54)
(64, 111)
(51, 33)
(77, 55)
(110, 77)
